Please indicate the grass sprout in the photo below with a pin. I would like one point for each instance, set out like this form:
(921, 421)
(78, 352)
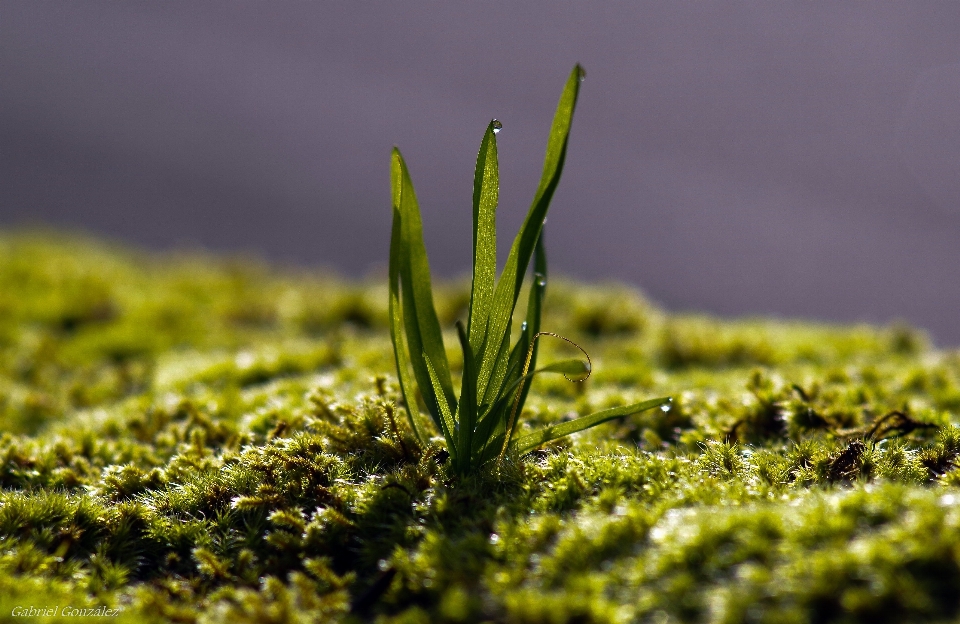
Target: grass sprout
(480, 424)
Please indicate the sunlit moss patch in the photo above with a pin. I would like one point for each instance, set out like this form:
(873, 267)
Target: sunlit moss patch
(193, 438)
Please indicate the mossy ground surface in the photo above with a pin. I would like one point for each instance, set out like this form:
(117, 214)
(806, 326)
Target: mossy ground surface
(195, 438)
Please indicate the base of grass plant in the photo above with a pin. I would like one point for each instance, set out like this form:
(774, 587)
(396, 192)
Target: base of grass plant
(480, 424)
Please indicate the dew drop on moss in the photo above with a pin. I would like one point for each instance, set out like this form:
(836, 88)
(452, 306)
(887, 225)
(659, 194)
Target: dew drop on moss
(497, 126)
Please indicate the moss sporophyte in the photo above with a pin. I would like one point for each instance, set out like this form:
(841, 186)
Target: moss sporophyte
(481, 424)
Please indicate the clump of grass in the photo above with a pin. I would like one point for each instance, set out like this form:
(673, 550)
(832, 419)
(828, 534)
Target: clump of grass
(480, 424)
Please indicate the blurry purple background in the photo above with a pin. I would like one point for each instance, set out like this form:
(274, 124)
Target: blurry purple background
(796, 159)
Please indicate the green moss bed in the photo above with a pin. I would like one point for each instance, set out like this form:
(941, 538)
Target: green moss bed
(192, 438)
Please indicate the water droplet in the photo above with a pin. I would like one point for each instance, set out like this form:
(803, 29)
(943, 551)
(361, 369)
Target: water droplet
(665, 408)
(544, 220)
(523, 327)
(581, 73)
(497, 126)
(541, 279)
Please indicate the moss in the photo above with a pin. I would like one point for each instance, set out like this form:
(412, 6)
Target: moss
(194, 438)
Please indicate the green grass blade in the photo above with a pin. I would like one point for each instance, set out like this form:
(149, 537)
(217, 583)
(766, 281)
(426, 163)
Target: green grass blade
(508, 288)
(501, 364)
(491, 450)
(490, 425)
(446, 421)
(486, 191)
(531, 441)
(419, 314)
(538, 290)
(400, 353)
(572, 367)
(496, 421)
(467, 408)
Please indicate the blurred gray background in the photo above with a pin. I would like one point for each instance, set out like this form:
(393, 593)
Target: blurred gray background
(792, 158)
